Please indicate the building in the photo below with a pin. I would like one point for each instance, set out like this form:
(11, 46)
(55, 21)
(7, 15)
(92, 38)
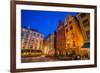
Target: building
(84, 21)
(49, 44)
(31, 41)
(60, 39)
(24, 38)
(73, 34)
(69, 37)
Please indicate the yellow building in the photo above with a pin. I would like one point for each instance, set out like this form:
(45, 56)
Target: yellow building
(84, 21)
(73, 34)
(24, 38)
(49, 44)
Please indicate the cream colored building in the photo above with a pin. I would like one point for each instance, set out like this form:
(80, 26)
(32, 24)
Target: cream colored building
(31, 39)
(49, 43)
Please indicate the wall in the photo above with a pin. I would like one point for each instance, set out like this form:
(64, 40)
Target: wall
(5, 36)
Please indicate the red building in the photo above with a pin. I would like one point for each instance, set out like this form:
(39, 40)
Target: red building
(60, 39)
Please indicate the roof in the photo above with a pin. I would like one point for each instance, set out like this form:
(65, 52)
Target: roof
(32, 29)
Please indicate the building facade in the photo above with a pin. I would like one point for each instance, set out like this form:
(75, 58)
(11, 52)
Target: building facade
(31, 39)
(69, 38)
(74, 37)
(84, 21)
(49, 45)
(60, 39)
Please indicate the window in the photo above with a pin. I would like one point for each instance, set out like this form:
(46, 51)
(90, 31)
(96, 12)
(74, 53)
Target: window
(86, 20)
(86, 23)
(71, 27)
(34, 34)
(41, 36)
(74, 44)
(27, 34)
(22, 35)
(23, 46)
(66, 30)
(31, 46)
(66, 25)
(38, 34)
(70, 22)
(88, 35)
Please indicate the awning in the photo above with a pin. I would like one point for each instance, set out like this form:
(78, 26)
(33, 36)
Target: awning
(86, 45)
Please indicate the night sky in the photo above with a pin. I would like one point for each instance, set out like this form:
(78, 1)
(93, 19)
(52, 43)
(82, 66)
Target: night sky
(45, 22)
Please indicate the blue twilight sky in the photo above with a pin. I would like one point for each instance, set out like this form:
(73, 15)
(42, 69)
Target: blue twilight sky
(45, 22)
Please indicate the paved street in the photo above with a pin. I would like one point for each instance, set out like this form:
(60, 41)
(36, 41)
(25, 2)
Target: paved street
(38, 59)
(43, 59)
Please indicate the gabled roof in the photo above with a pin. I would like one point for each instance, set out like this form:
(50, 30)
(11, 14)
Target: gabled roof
(60, 24)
